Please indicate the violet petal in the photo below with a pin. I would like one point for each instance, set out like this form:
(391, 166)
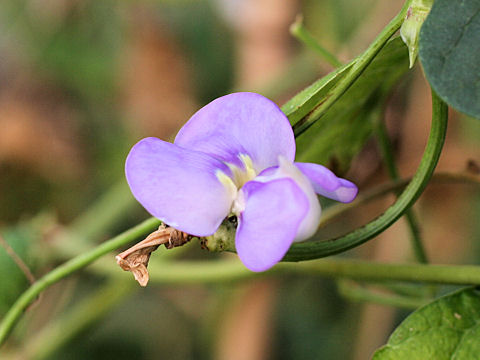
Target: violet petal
(240, 123)
(327, 184)
(270, 220)
(178, 186)
(287, 169)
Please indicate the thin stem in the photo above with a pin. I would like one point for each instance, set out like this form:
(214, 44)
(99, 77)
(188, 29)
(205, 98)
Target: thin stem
(298, 30)
(360, 64)
(317, 249)
(227, 271)
(371, 271)
(389, 160)
(77, 263)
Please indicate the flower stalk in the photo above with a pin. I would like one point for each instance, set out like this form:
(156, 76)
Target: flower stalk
(410, 217)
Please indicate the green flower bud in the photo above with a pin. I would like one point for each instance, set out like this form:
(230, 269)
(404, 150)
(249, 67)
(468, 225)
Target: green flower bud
(416, 15)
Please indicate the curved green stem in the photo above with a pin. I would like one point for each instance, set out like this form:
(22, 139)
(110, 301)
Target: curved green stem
(359, 65)
(389, 160)
(318, 249)
(68, 268)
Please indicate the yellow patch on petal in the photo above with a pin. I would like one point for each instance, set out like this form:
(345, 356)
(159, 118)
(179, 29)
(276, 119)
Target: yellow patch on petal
(240, 175)
(245, 174)
(227, 182)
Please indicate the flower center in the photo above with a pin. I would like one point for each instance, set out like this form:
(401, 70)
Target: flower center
(240, 176)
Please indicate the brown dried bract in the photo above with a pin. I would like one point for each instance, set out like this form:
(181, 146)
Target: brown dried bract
(178, 238)
(135, 259)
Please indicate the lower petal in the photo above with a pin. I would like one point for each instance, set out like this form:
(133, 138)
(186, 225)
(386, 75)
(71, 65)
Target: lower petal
(178, 186)
(327, 184)
(287, 169)
(269, 222)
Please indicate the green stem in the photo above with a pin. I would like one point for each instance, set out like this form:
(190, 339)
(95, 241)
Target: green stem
(355, 71)
(317, 249)
(228, 271)
(389, 159)
(77, 263)
(298, 30)
(368, 271)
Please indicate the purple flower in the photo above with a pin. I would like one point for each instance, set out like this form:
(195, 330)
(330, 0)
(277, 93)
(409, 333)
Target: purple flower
(235, 156)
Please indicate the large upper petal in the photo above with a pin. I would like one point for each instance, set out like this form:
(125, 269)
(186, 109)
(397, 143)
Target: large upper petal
(178, 186)
(269, 222)
(240, 123)
(327, 184)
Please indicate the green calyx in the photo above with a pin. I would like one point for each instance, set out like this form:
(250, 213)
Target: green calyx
(410, 30)
(223, 239)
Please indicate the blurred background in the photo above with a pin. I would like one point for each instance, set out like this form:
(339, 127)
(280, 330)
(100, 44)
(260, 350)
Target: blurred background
(82, 80)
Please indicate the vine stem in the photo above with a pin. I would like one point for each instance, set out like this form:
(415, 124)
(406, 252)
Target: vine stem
(78, 262)
(228, 271)
(410, 216)
(317, 249)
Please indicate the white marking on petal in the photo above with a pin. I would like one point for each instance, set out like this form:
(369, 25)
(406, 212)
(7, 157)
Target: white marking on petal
(309, 225)
(239, 203)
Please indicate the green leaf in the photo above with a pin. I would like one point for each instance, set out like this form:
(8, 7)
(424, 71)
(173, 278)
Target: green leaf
(448, 328)
(449, 52)
(340, 134)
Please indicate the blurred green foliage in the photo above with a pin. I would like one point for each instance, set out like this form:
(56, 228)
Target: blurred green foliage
(77, 52)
